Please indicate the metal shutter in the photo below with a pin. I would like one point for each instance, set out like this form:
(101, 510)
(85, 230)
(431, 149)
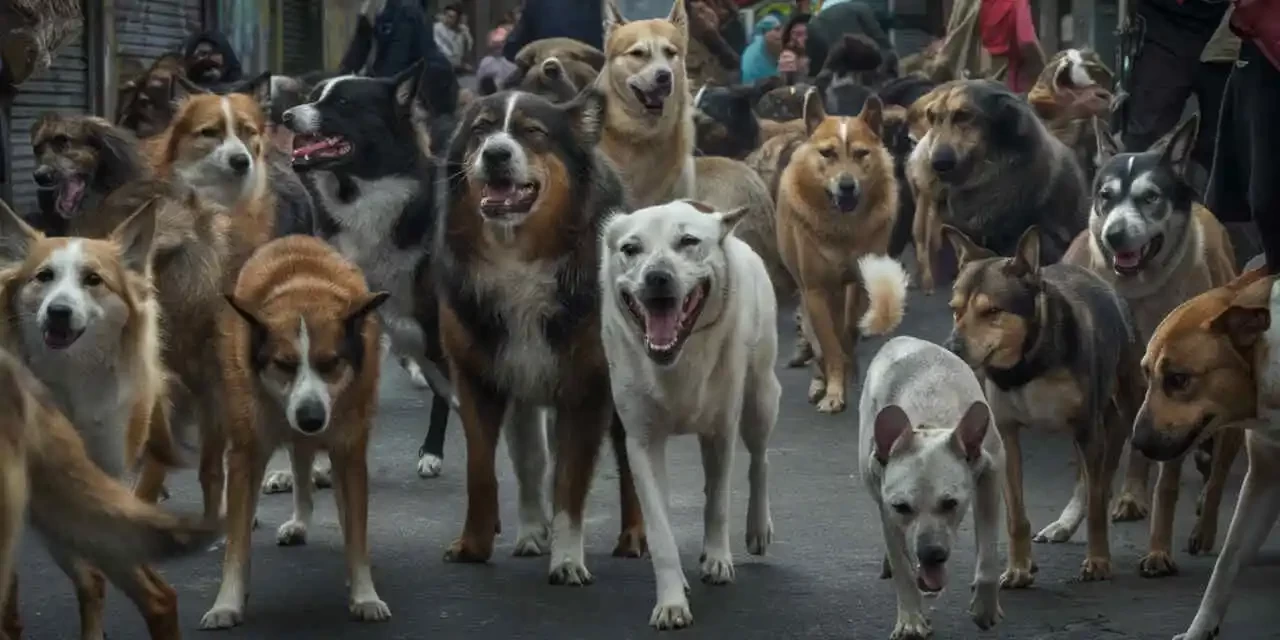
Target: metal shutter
(147, 29)
(62, 87)
(301, 31)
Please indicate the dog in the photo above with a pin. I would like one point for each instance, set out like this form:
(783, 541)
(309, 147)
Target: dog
(836, 203)
(48, 478)
(555, 68)
(927, 451)
(1211, 367)
(854, 64)
(783, 103)
(1057, 348)
(683, 303)
(145, 105)
(989, 167)
(374, 184)
(1157, 247)
(1072, 99)
(299, 348)
(648, 128)
(726, 124)
(79, 160)
(517, 275)
(81, 309)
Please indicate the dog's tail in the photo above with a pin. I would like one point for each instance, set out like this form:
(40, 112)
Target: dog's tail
(886, 284)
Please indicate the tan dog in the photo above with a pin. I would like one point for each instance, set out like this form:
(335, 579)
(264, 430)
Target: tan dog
(1212, 365)
(837, 201)
(299, 344)
(648, 122)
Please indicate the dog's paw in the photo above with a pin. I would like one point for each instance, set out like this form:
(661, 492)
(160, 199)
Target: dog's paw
(1095, 569)
(1202, 537)
(717, 568)
(831, 404)
(632, 543)
(322, 477)
(533, 541)
(222, 618)
(801, 357)
(292, 533)
(430, 466)
(278, 482)
(415, 373)
(1017, 578)
(675, 615)
(1198, 635)
(759, 535)
(1127, 508)
(911, 627)
(570, 573)
(465, 551)
(1157, 564)
(984, 607)
(370, 611)
(1056, 532)
(886, 570)
(817, 389)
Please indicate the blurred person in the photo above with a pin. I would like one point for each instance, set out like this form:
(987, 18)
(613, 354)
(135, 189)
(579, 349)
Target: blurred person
(760, 60)
(577, 19)
(794, 38)
(728, 22)
(452, 38)
(210, 61)
(1009, 36)
(837, 18)
(494, 68)
(711, 59)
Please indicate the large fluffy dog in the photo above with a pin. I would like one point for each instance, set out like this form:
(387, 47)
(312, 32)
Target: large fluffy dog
(79, 160)
(688, 321)
(1151, 241)
(517, 274)
(927, 451)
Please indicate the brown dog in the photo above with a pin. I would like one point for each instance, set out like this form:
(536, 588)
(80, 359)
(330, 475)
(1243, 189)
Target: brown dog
(80, 159)
(299, 345)
(837, 201)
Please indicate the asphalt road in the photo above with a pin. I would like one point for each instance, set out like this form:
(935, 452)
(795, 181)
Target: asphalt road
(818, 581)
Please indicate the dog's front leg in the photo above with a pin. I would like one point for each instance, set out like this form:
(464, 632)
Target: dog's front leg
(1226, 444)
(828, 389)
(294, 532)
(717, 467)
(90, 589)
(912, 623)
(1072, 515)
(155, 599)
(246, 466)
(649, 469)
(580, 429)
(351, 491)
(1097, 561)
(1158, 562)
(1133, 501)
(527, 446)
(1255, 515)
(984, 608)
(1020, 571)
(631, 540)
(481, 415)
(923, 232)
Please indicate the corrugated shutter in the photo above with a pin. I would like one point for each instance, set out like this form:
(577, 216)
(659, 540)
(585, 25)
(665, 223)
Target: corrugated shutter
(62, 87)
(147, 29)
(302, 30)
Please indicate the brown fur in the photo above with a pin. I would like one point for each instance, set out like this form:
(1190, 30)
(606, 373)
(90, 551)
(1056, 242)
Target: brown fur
(146, 104)
(86, 149)
(926, 226)
(820, 247)
(783, 104)
(1072, 113)
(728, 184)
(576, 66)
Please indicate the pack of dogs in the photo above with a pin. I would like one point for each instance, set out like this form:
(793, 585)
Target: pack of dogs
(597, 248)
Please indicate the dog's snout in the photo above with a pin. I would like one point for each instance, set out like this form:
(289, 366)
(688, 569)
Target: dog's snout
(58, 314)
(310, 416)
(551, 68)
(495, 155)
(662, 78)
(847, 184)
(659, 283)
(955, 345)
(45, 176)
(1116, 237)
(932, 554)
(944, 159)
(287, 117)
(239, 163)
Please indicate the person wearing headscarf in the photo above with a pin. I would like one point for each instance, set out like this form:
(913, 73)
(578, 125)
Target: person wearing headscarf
(210, 61)
(760, 60)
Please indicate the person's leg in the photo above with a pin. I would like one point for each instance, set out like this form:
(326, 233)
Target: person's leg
(1260, 100)
(1209, 86)
(1162, 82)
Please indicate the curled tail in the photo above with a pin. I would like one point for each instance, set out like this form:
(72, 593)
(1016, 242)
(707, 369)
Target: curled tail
(886, 284)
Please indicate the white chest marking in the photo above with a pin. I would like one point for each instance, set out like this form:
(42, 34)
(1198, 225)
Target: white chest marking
(524, 296)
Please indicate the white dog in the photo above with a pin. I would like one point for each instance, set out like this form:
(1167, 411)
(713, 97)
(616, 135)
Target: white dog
(927, 449)
(690, 329)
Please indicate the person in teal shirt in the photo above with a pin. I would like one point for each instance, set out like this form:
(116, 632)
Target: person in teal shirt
(760, 60)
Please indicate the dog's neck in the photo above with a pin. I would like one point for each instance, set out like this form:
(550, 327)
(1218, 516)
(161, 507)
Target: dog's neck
(1050, 326)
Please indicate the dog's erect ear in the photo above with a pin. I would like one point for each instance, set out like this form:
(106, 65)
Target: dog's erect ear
(814, 111)
(969, 433)
(258, 333)
(406, 84)
(587, 112)
(1243, 325)
(613, 19)
(367, 305)
(873, 115)
(257, 87)
(16, 236)
(1108, 145)
(679, 17)
(892, 430)
(1175, 148)
(729, 221)
(1026, 257)
(966, 250)
(136, 237)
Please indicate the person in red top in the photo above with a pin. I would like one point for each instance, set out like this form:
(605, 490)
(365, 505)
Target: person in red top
(1245, 180)
(1009, 35)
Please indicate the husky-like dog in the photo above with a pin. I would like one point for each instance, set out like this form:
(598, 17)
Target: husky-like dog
(375, 194)
(688, 321)
(927, 451)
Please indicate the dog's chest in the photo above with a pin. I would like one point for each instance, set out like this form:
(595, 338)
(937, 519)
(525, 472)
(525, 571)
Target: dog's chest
(100, 412)
(523, 296)
(1051, 401)
(1268, 378)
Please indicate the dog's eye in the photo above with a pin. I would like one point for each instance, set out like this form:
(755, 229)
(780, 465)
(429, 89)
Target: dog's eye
(534, 131)
(210, 132)
(325, 366)
(931, 116)
(60, 141)
(630, 249)
(638, 53)
(1106, 193)
(1174, 382)
(92, 279)
(671, 52)
(961, 117)
(44, 275)
(859, 154)
(286, 366)
(829, 154)
(947, 505)
(902, 508)
(687, 241)
(990, 312)
(1148, 198)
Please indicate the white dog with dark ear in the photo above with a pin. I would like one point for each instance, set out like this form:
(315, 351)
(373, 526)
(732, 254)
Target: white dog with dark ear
(928, 449)
(689, 324)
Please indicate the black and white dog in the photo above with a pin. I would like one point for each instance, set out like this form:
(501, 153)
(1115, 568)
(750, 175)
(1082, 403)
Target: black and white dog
(375, 195)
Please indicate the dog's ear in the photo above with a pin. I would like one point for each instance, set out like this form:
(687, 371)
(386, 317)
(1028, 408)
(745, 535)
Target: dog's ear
(1243, 325)
(969, 433)
(813, 110)
(587, 113)
(892, 431)
(367, 305)
(1026, 257)
(1108, 145)
(1008, 116)
(873, 114)
(613, 18)
(180, 87)
(136, 237)
(611, 230)
(679, 17)
(405, 84)
(16, 236)
(966, 250)
(258, 333)
(765, 85)
(257, 87)
(1175, 148)
(729, 221)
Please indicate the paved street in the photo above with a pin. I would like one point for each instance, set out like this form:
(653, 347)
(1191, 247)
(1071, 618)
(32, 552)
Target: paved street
(818, 581)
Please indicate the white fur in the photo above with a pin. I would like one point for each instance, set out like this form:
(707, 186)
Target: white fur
(212, 175)
(306, 117)
(934, 388)
(1079, 74)
(308, 386)
(723, 378)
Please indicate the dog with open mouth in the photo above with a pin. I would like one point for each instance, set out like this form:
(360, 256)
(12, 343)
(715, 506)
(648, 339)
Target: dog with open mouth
(688, 322)
(1151, 240)
(79, 160)
(1072, 96)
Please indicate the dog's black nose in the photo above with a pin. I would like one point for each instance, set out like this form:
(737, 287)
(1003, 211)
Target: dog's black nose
(662, 78)
(287, 117)
(658, 282)
(496, 155)
(58, 315)
(44, 176)
(239, 163)
(944, 159)
(847, 185)
(310, 416)
(1116, 238)
(932, 555)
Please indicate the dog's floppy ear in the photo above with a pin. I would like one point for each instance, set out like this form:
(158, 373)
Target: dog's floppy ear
(1243, 325)
(729, 221)
(16, 236)
(1026, 257)
(1108, 145)
(136, 237)
(405, 84)
(814, 111)
(892, 431)
(587, 112)
(966, 250)
(873, 114)
(258, 333)
(1175, 148)
(613, 18)
(969, 433)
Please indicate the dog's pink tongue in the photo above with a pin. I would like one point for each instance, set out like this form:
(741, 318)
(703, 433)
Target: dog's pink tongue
(1127, 259)
(69, 198)
(932, 577)
(661, 327)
